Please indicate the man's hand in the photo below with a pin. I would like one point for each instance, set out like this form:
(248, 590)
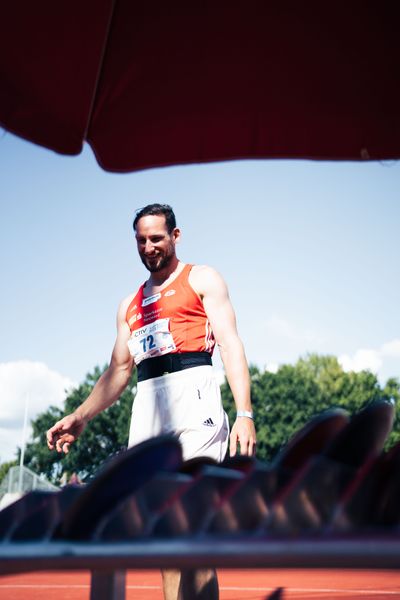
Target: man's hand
(243, 433)
(65, 432)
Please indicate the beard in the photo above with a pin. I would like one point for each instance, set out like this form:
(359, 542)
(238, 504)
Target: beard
(157, 263)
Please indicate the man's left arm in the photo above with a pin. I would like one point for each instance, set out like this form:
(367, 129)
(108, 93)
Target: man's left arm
(214, 293)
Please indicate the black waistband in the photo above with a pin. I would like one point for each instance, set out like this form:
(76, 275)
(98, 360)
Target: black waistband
(170, 363)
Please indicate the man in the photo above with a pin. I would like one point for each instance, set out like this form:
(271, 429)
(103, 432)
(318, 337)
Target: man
(168, 330)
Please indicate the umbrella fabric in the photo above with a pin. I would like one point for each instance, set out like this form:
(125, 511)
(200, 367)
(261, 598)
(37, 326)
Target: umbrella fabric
(159, 83)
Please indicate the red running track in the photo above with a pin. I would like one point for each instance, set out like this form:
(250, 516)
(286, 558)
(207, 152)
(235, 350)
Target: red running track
(234, 585)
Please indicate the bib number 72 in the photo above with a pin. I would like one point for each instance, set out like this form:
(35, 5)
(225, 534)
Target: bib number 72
(148, 343)
(151, 340)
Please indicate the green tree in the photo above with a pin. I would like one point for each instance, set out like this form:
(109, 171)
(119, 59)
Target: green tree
(104, 436)
(391, 392)
(284, 401)
(4, 468)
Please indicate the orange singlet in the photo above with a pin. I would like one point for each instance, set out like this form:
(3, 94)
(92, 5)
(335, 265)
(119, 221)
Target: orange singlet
(170, 321)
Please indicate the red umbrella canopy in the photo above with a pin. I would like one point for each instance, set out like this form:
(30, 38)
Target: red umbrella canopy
(158, 83)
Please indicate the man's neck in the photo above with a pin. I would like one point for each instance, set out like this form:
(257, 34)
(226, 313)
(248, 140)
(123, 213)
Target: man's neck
(158, 278)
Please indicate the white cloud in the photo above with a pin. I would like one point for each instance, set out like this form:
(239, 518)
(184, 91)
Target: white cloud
(391, 349)
(21, 382)
(363, 359)
(374, 360)
(288, 342)
(280, 327)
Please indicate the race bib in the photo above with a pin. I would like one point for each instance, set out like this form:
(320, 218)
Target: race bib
(151, 340)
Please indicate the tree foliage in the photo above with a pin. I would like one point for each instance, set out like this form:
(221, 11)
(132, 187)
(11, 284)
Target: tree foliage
(104, 436)
(5, 467)
(283, 402)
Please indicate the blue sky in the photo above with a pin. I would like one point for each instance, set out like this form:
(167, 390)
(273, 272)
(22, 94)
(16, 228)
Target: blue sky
(309, 251)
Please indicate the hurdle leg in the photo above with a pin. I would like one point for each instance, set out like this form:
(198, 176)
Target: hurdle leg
(108, 585)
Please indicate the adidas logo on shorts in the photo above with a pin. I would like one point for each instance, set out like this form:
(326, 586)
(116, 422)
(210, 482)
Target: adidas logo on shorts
(209, 423)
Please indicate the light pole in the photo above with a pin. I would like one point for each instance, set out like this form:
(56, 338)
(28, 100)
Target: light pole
(21, 458)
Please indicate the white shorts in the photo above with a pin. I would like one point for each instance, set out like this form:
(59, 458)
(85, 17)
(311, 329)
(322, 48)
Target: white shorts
(186, 404)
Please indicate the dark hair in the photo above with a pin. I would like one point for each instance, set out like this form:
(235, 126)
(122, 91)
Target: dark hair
(157, 209)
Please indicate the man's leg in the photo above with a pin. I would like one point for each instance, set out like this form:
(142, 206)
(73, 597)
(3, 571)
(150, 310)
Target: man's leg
(190, 585)
(198, 440)
(171, 581)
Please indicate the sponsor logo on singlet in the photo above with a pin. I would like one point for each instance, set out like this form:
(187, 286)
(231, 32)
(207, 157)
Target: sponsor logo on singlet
(135, 318)
(151, 299)
(170, 293)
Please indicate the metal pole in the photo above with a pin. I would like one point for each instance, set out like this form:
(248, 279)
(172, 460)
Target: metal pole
(108, 585)
(21, 458)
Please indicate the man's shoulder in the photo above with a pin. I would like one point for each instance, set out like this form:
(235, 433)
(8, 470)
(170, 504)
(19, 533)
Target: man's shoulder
(202, 270)
(202, 277)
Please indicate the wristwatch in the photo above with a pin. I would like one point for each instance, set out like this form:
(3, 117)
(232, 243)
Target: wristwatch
(245, 413)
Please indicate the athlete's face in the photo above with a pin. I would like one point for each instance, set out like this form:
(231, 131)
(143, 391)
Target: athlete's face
(155, 245)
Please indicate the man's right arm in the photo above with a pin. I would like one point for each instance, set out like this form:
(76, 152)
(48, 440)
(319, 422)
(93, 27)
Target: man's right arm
(106, 391)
